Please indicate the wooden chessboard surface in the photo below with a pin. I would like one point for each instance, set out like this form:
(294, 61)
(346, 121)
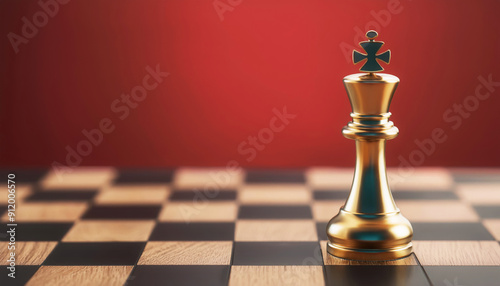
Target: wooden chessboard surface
(209, 226)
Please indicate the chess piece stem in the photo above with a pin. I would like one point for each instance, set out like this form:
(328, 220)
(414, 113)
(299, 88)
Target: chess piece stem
(371, 193)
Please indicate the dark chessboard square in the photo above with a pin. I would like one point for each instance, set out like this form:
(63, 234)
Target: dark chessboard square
(321, 229)
(450, 231)
(192, 231)
(275, 212)
(144, 176)
(197, 195)
(275, 176)
(330, 195)
(185, 275)
(80, 195)
(375, 275)
(488, 211)
(104, 253)
(38, 231)
(424, 195)
(277, 253)
(23, 274)
(463, 275)
(122, 212)
(26, 176)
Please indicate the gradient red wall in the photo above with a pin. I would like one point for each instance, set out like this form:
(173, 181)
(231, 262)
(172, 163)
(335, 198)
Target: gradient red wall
(229, 66)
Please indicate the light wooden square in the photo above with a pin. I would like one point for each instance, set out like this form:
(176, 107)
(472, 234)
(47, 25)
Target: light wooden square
(207, 178)
(274, 194)
(477, 172)
(128, 195)
(429, 178)
(493, 226)
(330, 178)
(81, 275)
(48, 212)
(276, 275)
(206, 211)
(187, 253)
(324, 211)
(457, 252)
(79, 178)
(111, 230)
(329, 259)
(437, 211)
(275, 230)
(480, 193)
(27, 252)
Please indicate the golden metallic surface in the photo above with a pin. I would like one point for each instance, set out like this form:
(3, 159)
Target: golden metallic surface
(370, 226)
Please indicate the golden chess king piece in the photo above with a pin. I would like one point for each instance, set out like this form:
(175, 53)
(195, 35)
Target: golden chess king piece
(369, 226)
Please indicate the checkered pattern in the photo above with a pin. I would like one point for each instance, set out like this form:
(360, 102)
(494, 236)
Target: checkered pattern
(103, 226)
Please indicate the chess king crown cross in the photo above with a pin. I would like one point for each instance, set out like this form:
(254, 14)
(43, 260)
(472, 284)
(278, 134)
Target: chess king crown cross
(371, 48)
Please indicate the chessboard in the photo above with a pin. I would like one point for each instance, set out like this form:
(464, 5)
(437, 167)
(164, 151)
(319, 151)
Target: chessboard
(215, 226)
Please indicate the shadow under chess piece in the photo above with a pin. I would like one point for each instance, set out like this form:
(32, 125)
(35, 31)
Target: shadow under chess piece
(374, 275)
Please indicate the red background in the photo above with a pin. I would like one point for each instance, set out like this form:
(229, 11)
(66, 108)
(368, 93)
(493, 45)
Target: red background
(227, 76)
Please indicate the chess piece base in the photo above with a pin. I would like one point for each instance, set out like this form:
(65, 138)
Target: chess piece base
(368, 254)
(369, 237)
